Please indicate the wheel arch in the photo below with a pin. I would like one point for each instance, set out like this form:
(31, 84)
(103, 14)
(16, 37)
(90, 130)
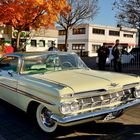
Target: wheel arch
(31, 105)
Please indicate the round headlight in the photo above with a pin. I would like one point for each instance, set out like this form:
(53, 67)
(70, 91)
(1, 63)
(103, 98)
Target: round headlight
(75, 106)
(65, 108)
(136, 93)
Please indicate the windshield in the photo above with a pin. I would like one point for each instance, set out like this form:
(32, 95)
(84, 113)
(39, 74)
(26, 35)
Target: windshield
(51, 62)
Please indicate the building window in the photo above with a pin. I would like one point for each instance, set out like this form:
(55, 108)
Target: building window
(41, 43)
(128, 35)
(95, 47)
(98, 31)
(78, 46)
(33, 43)
(51, 43)
(79, 31)
(62, 32)
(114, 33)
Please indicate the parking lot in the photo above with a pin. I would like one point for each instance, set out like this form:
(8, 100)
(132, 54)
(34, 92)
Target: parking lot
(15, 125)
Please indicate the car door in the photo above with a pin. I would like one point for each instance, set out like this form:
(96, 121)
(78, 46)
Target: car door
(126, 57)
(9, 79)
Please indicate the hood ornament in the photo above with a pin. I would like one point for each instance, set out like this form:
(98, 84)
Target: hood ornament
(113, 84)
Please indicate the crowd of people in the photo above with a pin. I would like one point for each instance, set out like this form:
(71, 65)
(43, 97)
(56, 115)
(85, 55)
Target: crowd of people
(103, 53)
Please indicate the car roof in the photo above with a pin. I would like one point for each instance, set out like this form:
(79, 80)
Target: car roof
(135, 50)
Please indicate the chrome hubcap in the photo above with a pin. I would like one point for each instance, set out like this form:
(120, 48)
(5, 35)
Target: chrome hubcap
(45, 118)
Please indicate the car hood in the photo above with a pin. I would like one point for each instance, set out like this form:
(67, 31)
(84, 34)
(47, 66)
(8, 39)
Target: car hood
(85, 80)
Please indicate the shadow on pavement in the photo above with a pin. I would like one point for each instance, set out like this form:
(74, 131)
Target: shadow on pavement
(14, 125)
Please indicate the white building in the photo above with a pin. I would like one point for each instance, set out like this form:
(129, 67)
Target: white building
(39, 40)
(89, 37)
(5, 32)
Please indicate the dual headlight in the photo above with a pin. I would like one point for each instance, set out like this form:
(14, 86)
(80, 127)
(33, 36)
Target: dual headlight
(69, 107)
(136, 93)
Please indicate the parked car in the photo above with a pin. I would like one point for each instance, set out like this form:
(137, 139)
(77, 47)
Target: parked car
(57, 88)
(136, 53)
(125, 58)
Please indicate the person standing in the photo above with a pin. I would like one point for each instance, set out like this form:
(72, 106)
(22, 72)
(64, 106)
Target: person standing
(52, 48)
(117, 53)
(103, 53)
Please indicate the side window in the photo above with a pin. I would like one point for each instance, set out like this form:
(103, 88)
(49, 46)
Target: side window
(52, 61)
(33, 43)
(9, 63)
(41, 43)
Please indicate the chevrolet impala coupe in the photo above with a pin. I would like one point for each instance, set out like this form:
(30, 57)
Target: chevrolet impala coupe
(57, 88)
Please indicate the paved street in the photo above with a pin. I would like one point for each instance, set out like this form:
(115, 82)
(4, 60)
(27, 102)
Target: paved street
(15, 125)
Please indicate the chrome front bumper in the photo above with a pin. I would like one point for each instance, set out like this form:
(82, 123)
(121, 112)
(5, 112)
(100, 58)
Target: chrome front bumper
(89, 115)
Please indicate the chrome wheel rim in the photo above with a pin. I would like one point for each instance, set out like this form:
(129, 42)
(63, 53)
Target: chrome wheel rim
(44, 120)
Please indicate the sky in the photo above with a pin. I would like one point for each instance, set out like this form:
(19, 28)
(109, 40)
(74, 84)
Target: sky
(105, 16)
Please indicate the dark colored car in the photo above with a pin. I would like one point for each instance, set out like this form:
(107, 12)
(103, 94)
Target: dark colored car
(136, 53)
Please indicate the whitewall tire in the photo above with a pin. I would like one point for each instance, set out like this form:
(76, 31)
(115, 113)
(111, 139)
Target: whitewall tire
(43, 119)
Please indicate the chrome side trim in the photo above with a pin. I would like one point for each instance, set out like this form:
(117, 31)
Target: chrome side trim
(89, 115)
(26, 94)
(130, 85)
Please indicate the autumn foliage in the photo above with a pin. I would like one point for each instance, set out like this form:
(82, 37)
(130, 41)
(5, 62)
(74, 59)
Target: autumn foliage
(22, 14)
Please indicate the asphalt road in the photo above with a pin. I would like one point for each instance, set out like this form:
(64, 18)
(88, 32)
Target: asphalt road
(15, 125)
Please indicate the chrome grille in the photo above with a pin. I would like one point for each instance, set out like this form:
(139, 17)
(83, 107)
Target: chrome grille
(86, 102)
(96, 101)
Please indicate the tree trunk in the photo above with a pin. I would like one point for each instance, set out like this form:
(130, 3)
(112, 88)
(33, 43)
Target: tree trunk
(17, 41)
(66, 40)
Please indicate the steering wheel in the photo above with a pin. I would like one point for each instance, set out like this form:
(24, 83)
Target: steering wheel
(66, 64)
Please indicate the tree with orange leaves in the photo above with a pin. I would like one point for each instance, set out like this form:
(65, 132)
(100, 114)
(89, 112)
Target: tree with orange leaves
(22, 14)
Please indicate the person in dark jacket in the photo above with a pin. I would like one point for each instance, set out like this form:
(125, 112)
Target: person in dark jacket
(103, 53)
(52, 49)
(117, 53)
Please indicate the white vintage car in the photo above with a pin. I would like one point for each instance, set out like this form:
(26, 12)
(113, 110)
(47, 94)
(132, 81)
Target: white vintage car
(57, 88)
(126, 58)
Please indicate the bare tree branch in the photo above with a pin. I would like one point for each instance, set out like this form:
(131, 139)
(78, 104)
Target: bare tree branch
(82, 10)
(128, 12)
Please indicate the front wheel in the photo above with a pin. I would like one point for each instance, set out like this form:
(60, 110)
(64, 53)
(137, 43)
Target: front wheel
(43, 119)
